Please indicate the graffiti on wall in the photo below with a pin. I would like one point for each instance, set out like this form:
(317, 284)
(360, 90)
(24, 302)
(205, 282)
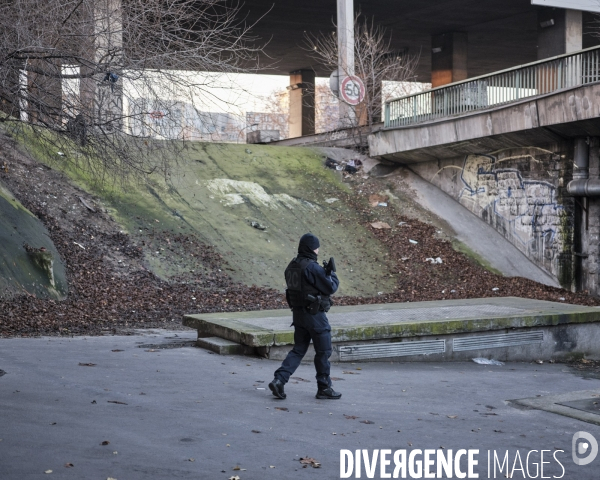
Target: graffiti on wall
(526, 211)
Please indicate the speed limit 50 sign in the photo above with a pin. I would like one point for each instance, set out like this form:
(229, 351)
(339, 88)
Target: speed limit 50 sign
(352, 90)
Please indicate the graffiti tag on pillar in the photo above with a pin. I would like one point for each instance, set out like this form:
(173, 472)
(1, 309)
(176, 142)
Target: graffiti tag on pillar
(352, 90)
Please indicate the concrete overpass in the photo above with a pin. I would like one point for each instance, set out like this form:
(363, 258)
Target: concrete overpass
(530, 167)
(454, 39)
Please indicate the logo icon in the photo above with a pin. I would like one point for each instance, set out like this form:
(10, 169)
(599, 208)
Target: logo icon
(588, 445)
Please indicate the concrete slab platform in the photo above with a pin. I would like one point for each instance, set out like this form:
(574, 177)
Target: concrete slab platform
(567, 404)
(508, 328)
(220, 346)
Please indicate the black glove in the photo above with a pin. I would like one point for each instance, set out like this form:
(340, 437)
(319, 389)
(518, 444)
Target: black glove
(329, 266)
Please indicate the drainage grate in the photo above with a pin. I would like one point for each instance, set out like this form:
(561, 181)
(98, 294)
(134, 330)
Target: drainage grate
(497, 341)
(381, 350)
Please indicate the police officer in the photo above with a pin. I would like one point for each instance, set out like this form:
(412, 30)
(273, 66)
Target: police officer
(308, 289)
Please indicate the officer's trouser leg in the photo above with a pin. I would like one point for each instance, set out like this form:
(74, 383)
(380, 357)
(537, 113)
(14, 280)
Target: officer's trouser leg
(322, 344)
(293, 359)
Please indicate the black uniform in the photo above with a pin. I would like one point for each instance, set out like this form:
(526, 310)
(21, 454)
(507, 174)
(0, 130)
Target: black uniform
(310, 326)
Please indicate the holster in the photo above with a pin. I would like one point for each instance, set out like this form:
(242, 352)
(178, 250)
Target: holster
(314, 307)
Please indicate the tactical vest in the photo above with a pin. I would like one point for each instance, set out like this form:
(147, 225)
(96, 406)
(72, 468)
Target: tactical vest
(298, 288)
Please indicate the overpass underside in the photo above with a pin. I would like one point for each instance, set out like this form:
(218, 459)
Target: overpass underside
(514, 166)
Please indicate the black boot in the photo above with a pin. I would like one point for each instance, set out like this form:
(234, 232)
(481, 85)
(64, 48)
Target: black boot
(276, 387)
(328, 393)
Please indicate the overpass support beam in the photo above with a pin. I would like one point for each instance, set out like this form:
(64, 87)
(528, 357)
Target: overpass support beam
(302, 103)
(448, 58)
(559, 31)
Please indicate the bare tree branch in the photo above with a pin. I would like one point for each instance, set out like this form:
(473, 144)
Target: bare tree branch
(77, 74)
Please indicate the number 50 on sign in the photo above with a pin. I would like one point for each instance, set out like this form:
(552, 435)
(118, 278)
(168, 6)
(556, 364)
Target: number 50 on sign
(352, 90)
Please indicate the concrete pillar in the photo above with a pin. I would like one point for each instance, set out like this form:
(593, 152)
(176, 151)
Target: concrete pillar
(302, 103)
(345, 36)
(448, 58)
(109, 50)
(559, 31)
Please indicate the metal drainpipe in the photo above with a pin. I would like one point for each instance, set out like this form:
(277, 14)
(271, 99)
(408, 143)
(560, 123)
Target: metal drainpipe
(581, 185)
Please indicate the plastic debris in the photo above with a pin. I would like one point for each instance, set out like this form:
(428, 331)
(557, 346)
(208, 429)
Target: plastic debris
(258, 226)
(487, 361)
(434, 260)
(414, 242)
(331, 200)
(382, 204)
(495, 289)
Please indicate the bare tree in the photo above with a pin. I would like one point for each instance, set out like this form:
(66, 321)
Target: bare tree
(375, 63)
(79, 75)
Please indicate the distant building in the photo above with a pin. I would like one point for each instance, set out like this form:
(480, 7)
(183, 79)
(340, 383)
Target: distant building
(179, 120)
(269, 122)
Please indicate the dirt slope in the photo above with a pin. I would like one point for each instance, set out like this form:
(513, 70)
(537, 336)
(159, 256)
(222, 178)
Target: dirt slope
(146, 255)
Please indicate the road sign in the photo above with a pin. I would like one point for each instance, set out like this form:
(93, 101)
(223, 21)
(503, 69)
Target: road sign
(334, 83)
(352, 90)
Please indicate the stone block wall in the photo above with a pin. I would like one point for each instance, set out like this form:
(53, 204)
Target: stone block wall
(522, 193)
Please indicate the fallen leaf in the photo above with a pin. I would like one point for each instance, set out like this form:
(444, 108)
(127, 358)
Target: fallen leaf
(300, 379)
(116, 401)
(105, 442)
(376, 199)
(350, 417)
(87, 364)
(191, 459)
(236, 467)
(452, 416)
(283, 409)
(337, 379)
(117, 350)
(350, 373)
(69, 465)
(309, 461)
(255, 431)
(271, 466)
(380, 225)
(235, 477)
(367, 422)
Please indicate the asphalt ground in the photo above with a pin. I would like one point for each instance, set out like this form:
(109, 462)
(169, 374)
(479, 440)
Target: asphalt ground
(184, 412)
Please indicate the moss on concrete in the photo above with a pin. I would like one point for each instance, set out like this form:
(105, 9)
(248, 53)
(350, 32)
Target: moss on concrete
(41, 273)
(216, 191)
(465, 250)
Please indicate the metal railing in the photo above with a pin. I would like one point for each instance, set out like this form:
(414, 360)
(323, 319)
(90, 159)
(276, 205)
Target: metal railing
(537, 78)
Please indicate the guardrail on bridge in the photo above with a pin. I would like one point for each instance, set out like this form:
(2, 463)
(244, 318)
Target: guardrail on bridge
(537, 78)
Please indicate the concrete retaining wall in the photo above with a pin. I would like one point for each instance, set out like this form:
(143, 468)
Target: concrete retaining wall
(561, 342)
(521, 192)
